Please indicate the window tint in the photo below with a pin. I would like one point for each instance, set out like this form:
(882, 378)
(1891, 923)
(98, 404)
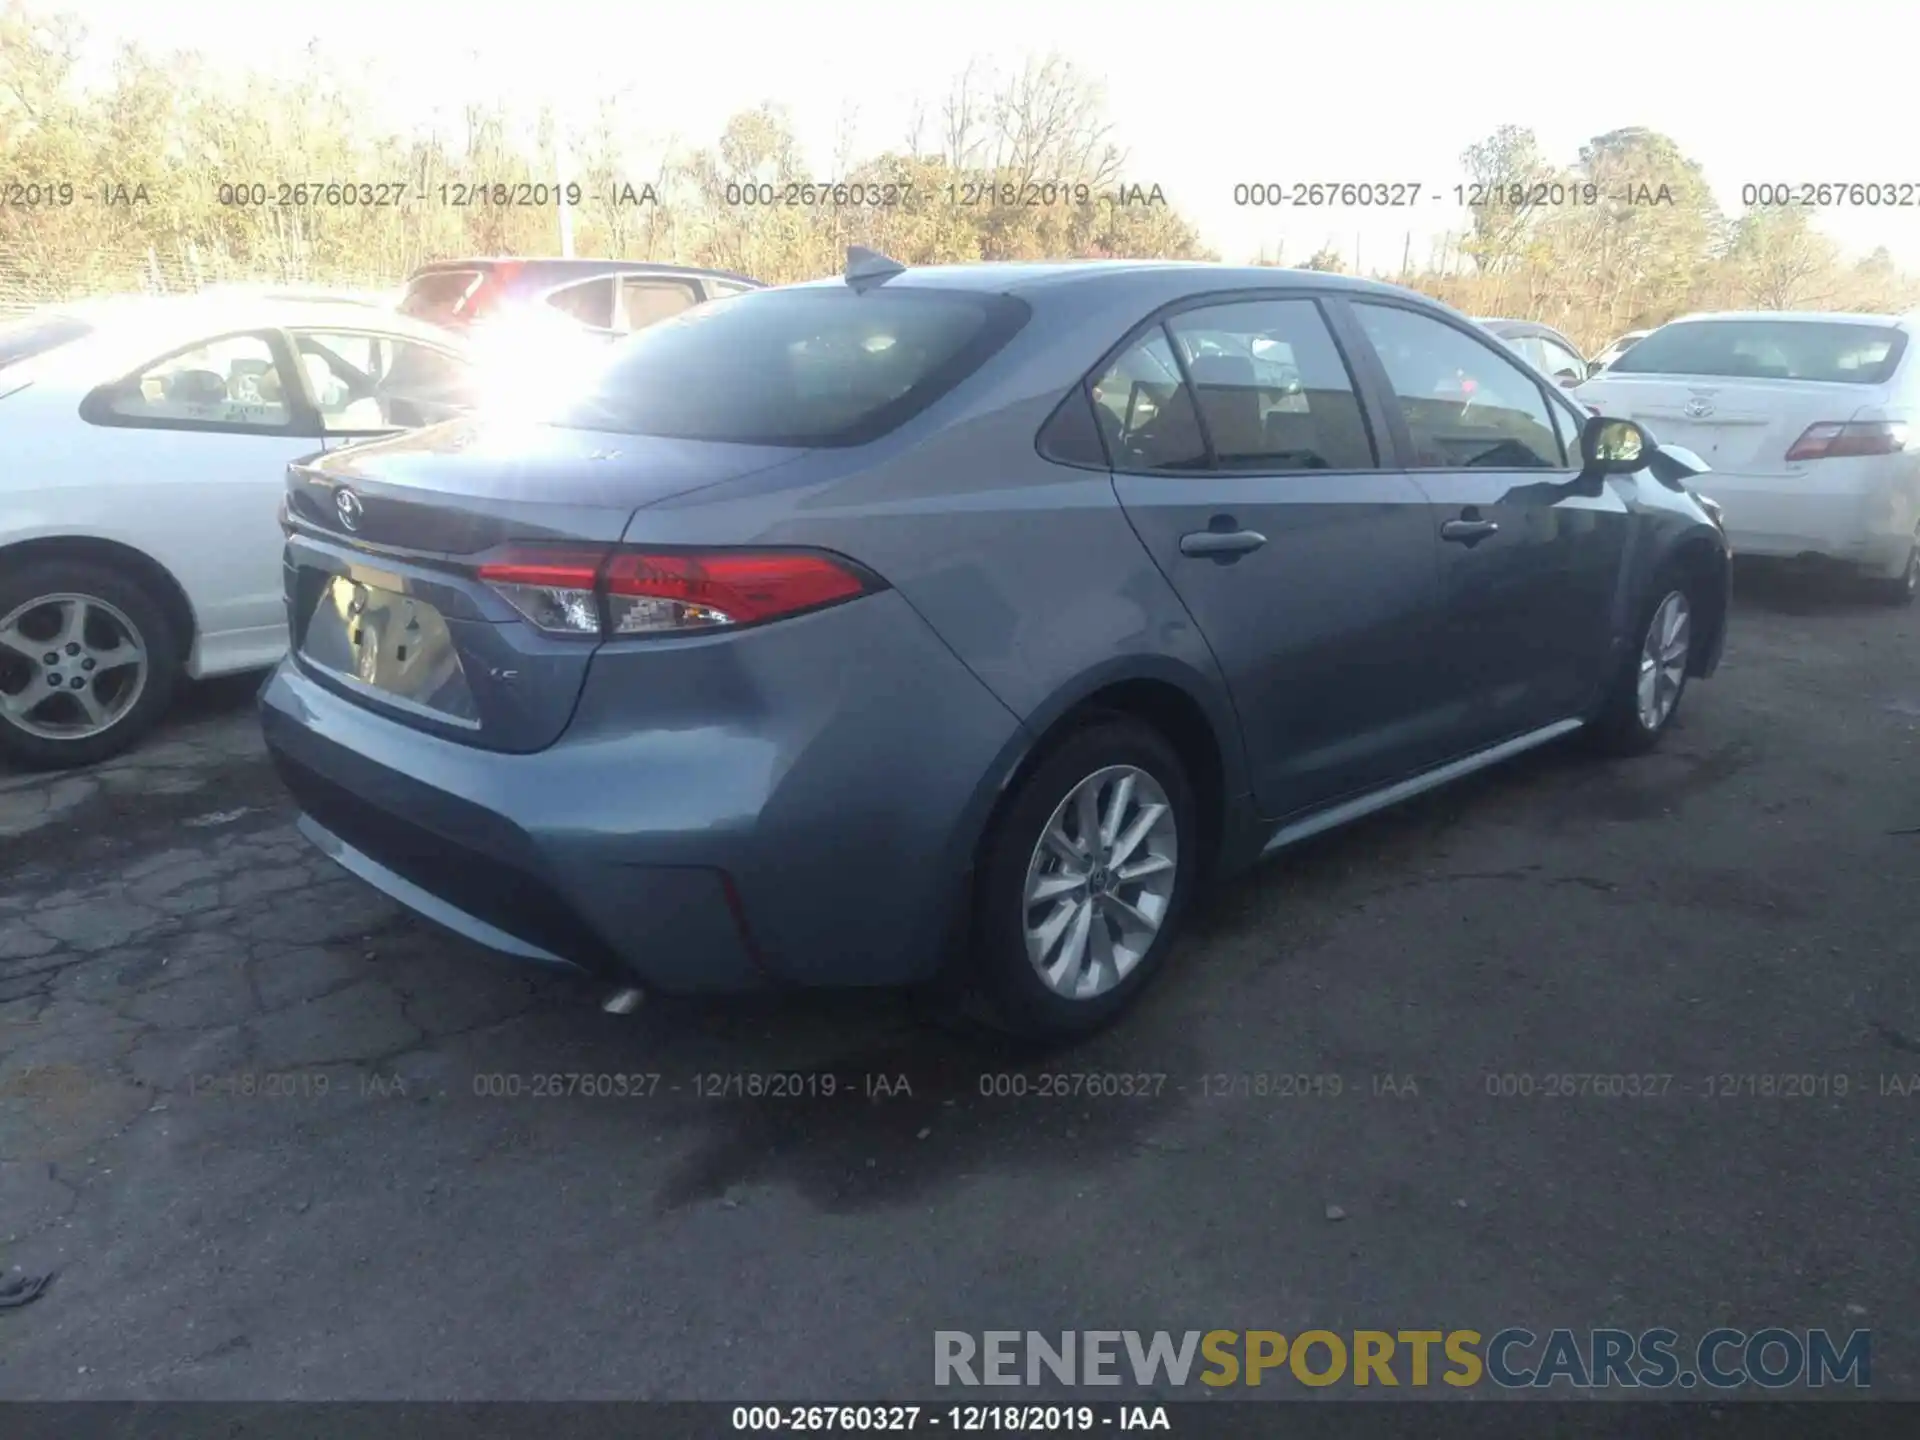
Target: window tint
(805, 366)
(438, 295)
(1557, 360)
(363, 382)
(643, 301)
(1834, 351)
(234, 381)
(1273, 392)
(37, 335)
(1529, 348)
(590, 302)
(1072, 435)
(1145, 413)
(1466, 405)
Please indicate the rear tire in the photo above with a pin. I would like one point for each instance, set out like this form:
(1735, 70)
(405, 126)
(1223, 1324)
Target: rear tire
(1901, 588)
(1645, 693)
(1084, 878)
(88, 663)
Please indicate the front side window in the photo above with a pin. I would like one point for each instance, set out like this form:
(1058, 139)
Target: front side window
(1145, 411)
(229, 382)
(807, 366)
(367, 382)
(1466, 405)
(1272, 389)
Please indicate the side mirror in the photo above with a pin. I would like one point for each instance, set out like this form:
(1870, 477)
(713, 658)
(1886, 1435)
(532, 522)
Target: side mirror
(1614, 447)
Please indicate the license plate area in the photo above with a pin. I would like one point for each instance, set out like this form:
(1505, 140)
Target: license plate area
(389, 647)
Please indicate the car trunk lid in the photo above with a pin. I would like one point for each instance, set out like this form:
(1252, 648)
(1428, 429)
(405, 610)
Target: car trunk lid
(386, 540)
(1738, 426)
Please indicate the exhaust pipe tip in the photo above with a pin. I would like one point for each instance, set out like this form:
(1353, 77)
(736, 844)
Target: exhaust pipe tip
(623, 1002)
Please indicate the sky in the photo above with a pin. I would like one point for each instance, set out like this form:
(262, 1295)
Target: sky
(1203, 96)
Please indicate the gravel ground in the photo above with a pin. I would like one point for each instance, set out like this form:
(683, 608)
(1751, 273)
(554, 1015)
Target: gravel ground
(245, 1108)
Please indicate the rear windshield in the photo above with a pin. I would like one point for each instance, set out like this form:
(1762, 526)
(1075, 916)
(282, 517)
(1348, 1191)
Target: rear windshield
(799, 367)
(1833, 351)
(436, 295)
(38, 334)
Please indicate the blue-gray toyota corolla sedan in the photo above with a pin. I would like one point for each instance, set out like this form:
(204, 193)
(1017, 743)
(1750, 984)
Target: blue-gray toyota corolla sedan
(954, 625)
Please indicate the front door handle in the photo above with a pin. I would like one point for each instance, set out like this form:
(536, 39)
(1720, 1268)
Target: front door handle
(1219, 543)
(1468, 532)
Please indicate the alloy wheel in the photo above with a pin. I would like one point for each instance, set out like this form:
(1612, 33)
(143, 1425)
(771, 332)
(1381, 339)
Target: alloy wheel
(71, 666)
(1100, 882)
(1663, 660)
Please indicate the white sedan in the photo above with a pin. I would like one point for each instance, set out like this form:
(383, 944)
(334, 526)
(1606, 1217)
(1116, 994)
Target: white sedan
(1810, 422)
(144, 444)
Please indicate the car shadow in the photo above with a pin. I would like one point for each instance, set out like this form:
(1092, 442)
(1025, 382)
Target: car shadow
(1799, 587)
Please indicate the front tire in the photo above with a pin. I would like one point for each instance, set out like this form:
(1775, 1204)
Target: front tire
(1083, 883)
(88, 663)
(1645, 694)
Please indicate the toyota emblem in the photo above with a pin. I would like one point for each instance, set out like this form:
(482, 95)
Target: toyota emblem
(1699, 408)
(349, 507)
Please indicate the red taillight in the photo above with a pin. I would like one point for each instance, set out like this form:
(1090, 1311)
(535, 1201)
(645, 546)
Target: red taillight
(1833, 440)
(593, 592)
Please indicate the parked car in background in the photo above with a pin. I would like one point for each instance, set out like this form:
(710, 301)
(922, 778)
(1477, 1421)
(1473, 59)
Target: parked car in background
(950, 625)
(605, 297)
(145, 446)
(1604, 360)
(1807, 421)
(1544, 348)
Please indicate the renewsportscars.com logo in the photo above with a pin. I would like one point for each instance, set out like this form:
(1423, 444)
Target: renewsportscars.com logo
(1773, 1358)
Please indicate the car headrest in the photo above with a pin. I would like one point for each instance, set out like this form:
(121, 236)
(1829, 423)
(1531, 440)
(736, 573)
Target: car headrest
(1223, 371)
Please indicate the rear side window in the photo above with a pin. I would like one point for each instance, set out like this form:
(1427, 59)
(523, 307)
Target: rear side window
(812, 367)
(1832, 351)
(645, 301)
(1145, 411)
(1273, 392)
(439, 295)
(39, 335)
(590, 302)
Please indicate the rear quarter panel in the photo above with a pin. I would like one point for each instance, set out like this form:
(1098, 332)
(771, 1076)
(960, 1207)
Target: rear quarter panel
(1028, 570)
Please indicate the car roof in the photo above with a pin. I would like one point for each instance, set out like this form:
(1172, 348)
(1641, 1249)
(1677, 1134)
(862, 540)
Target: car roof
(1016, 277)
(1810, 317)
(1505, 328)
(566, 265)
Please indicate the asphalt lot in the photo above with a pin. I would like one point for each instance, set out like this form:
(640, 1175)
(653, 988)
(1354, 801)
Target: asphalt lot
(238, 1107)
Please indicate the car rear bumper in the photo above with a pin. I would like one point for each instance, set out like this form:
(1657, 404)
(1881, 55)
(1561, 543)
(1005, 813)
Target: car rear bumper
(815, 837)
(1849, 510)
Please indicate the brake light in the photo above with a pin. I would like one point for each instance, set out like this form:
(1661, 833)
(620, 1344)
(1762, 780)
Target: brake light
(605, 593)
(1833, 440)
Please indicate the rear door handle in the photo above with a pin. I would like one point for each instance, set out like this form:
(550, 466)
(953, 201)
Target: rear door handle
(1219, 543)
(1468, 532)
